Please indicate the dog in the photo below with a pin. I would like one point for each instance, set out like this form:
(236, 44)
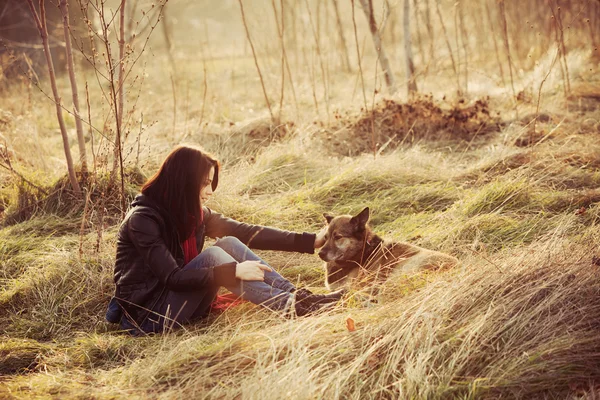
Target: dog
(354, 254)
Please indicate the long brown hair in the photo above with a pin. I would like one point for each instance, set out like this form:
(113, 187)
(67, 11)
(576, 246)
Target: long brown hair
(177, 184)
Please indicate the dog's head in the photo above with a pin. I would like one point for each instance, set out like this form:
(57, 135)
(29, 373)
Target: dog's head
(345, 237)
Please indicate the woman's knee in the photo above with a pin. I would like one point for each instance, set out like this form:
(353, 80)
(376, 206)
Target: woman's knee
(229, 243)
(217, 254)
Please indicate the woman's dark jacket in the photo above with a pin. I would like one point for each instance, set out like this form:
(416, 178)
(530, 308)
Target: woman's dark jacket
(150, 255)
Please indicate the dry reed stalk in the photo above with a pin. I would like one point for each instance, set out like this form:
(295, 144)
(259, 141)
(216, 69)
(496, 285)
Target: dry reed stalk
(537, 108)
(439, 13)
(90, 132)
(418, 29)
(465, 43)
(295, 34)
(410, 65)
(205, 89)
(594, 30)
(320, 56)
(345, 54)
(563, 49)
(318, 22)
(280, 31)
(187, 108)
(366, 107)
(313, 84)
(360, 70)
(373, 139)
(558, 46)
(497, 52)
(40, 21)
(457, 44)
(507, 46)
(592, 37)
(82, 225)
(64, 9)
(287, 63)
(357, 76)
(429, 30)
(139, 137)
(100, 225)
(256, 62)
(174, 93)
(168, 42)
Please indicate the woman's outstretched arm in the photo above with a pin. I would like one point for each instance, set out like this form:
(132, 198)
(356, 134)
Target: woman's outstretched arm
(258, 236)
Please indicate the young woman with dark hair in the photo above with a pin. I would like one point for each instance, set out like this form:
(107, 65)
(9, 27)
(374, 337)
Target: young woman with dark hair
(162, 274)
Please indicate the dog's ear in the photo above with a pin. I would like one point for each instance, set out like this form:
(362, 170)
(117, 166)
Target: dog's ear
(328, 217)
(362, 218)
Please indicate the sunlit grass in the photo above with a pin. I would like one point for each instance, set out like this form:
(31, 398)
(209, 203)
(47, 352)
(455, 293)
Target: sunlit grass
(518, 318)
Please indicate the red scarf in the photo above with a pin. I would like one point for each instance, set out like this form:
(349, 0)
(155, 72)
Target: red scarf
(190, 251)
(190, 248)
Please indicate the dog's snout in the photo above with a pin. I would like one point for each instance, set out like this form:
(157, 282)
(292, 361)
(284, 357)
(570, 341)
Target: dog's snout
(323, 254)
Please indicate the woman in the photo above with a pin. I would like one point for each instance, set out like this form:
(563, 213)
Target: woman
(163, 277)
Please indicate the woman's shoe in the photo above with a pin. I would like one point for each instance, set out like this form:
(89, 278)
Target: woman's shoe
(308, 306)
(113, 311)
(305, 294)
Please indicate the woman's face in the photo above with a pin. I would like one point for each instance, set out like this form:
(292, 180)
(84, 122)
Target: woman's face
(206, 190)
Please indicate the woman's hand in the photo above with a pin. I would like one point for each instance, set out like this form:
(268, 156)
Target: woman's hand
(251, 271)
(320, 239)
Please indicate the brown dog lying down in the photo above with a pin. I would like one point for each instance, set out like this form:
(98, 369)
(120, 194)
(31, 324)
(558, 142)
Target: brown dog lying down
(353, 252)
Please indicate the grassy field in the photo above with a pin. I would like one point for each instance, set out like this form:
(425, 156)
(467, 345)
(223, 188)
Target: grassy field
(462, 170)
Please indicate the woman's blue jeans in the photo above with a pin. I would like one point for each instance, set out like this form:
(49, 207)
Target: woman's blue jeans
(181, 307)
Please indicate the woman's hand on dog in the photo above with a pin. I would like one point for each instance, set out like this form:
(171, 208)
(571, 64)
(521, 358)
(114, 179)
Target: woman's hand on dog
(251, 271)
(320, 239)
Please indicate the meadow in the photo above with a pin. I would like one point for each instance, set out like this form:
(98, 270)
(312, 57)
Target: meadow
(501, 171)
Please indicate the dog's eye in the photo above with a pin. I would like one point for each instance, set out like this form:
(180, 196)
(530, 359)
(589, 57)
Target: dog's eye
(337, 236)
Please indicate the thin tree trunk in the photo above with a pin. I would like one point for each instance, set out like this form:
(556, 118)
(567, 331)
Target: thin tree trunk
(346, 56)
(43, 31)
(410, 66)
(64, 9)
(116, 93)
(367, 6)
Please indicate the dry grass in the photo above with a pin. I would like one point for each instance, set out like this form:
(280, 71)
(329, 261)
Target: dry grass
(520, 208)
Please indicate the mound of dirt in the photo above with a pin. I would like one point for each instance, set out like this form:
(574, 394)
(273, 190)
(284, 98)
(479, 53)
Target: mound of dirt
(105, 199)
(584, 98)
(244, 140)
(391, 124)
